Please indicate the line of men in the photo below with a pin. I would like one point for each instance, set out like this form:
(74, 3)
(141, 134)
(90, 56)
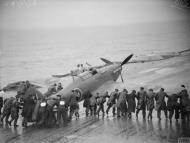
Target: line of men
(125, 103)
(57, 111)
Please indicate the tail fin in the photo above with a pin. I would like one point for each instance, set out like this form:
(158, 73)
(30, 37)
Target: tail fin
(106, 61)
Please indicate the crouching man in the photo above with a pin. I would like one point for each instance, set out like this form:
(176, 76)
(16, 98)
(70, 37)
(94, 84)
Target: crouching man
(62, 112)
(7, 109)
(41, 115)
(15, 112)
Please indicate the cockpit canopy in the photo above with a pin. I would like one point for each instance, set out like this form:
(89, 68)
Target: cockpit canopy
(88, 74)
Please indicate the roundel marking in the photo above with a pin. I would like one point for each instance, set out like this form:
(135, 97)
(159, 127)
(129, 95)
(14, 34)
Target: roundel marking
(79, 93)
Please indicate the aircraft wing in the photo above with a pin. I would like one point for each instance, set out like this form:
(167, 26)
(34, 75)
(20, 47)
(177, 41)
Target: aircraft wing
(61, 75)
(15, 85)
(156, 57)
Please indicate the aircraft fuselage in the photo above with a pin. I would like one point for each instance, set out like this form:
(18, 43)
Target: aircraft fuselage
(88, 82)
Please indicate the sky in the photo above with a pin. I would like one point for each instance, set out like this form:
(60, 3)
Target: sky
(28, 14)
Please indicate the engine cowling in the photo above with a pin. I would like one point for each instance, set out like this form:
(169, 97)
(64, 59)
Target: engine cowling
(79, 94)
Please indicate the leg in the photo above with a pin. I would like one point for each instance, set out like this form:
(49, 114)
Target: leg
(76, 113)
(59, 117)
(171, 112)
(188, 116)
(63, 115)
(0, 110)
(15, 121)
(41, 119)
(129, 115)
(103, 109)
(3, 116)
(137, 112)
(151, 114)
(108, 108)
(24, 122)
(91, 110)
(113, 111)
(12, 119)
(176, 113)
(118, 112)
(87, 111)
(95, 108)
(182, 115)
(99, 108)
(144, 113)
(71, 113)
(166, 113)
(185, 115)
(159, 114)
(7, 117)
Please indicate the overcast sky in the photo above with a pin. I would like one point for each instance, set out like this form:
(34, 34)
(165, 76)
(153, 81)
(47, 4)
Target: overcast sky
(63, 13)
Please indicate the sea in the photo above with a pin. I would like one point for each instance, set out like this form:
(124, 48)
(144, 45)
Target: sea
(37, 53)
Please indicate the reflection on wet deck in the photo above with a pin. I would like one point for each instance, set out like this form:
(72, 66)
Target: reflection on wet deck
(103, 129)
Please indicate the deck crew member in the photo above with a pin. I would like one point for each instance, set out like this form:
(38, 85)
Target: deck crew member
(112, 101)
(62, 112)
(15, 112)
(28, 103)
(121, 103)
(93, 104)
(150, 102)
(59, 87)
(141, 105)
(7, 109)
(100, 102)
(131, 103)
(160, 103)
(173, 106)
(41, 115)
(50, 115)
(51, 90)
(1, 99)
(73, 104)
(184, 97)
(86, 103)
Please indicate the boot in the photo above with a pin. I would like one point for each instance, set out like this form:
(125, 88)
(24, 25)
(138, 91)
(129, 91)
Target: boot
(136, 116)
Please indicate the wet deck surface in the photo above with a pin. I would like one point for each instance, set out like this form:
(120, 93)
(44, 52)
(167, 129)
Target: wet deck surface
(103, 129)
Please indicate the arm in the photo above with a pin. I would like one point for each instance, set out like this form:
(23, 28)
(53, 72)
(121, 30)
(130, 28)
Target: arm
(107, 96)
(166, 95)
(156, 96)
(137, 95)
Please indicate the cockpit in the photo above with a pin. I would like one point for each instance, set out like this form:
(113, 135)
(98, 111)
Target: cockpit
(87, 74)
(93, 71)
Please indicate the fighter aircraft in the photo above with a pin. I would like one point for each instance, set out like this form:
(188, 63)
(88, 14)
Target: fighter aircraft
(96, 77)
(91, 80)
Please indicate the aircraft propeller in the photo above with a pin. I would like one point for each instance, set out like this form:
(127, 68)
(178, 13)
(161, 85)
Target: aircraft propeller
(127, 59)
(123, 63)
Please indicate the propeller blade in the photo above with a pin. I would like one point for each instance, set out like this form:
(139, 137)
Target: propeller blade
(61, 76)
(127, 59)
(184, 51)
(121, 78)
(106, 61)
